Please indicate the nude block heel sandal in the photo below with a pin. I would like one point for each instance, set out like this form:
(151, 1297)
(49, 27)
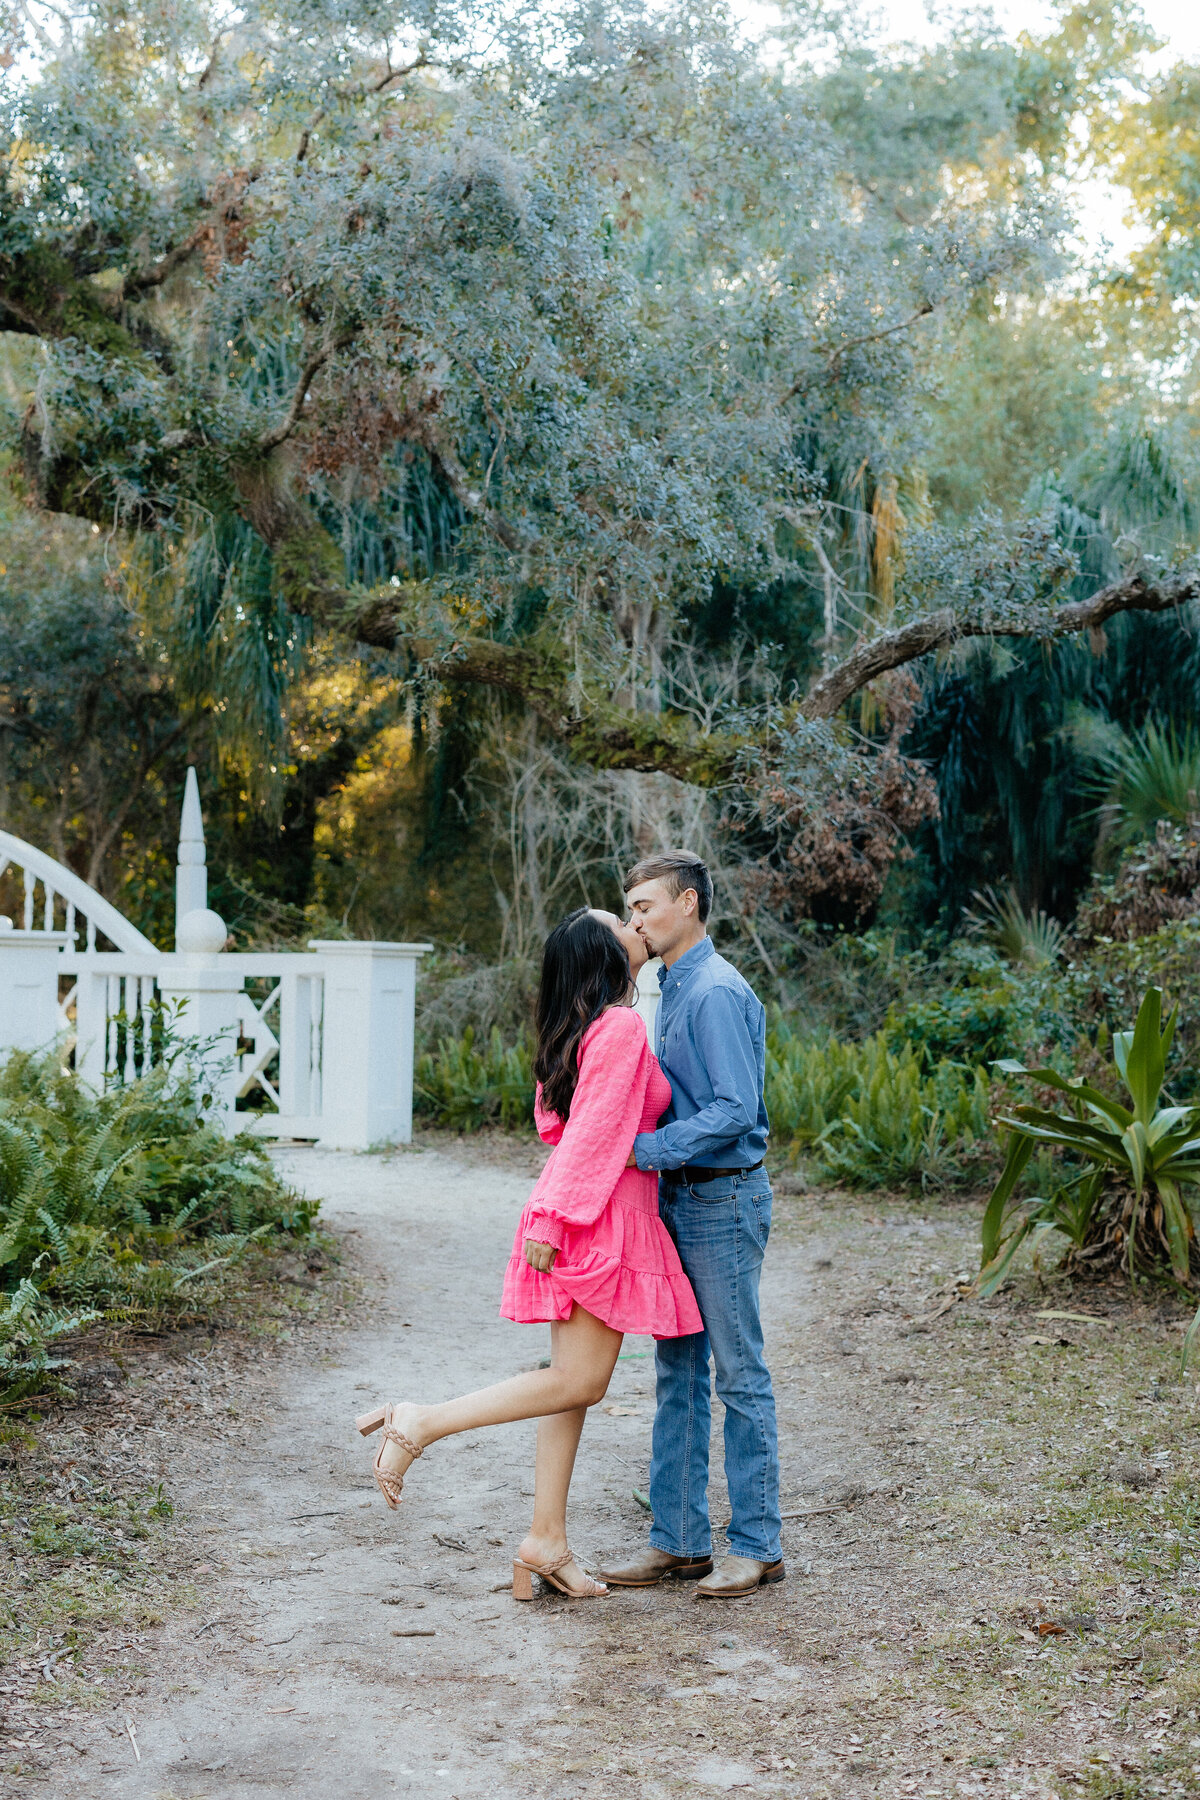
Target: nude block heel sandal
(524, 1572)
(389, 1483)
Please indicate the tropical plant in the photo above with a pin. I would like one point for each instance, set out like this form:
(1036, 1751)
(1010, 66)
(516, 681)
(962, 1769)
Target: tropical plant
(465, 1088)
(1022, 934)
(1150, 776)
(1123, 1196)
(127, 1200)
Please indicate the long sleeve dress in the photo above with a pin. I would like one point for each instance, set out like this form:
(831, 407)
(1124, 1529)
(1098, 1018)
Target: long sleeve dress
(615, 1256)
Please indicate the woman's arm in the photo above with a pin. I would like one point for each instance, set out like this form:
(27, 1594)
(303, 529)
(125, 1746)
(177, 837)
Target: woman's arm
(614, 1070)
(549, 1125)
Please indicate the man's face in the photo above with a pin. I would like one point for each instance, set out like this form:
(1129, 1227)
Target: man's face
(663, 920)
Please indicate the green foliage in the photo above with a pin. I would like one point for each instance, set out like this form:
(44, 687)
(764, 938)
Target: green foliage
(1152, 775)
(1129, 1165)
(465, 1089)
(29, 1328)
(127, 1201)
(871, 1115)
(1021, 934)
(967, 1025)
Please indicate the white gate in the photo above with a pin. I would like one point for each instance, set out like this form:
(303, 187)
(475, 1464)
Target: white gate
(315, 1044)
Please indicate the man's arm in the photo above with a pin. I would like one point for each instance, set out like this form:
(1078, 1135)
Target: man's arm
(726, 1048)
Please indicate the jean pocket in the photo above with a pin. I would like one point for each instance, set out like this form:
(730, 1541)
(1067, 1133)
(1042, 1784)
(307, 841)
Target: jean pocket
(708, 1192)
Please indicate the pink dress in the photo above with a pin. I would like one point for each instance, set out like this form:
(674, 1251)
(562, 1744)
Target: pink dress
(615, 1256)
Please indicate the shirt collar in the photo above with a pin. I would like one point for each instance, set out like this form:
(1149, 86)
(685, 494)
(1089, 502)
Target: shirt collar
(687, 964)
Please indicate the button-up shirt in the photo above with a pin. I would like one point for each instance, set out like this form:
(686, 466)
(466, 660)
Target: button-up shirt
(711, 1043)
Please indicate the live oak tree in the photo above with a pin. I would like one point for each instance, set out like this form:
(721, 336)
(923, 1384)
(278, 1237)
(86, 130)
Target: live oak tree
(495, 339)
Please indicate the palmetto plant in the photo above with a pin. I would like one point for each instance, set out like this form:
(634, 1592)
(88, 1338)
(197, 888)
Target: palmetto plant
(1023, 935)
(1130, 1165)
(1152, 775)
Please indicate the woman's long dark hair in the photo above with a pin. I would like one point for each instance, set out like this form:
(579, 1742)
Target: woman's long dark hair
(584, 970)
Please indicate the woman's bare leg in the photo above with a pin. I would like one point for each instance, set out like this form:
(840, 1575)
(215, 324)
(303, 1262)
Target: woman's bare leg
(558, 1437)
(583, 1354)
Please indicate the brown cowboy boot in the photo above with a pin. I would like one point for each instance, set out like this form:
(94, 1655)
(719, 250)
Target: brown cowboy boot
(655, 1566)
(739, 1575)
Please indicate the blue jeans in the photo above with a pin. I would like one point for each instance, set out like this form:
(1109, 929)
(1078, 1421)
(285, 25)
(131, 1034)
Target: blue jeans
(721, 1229)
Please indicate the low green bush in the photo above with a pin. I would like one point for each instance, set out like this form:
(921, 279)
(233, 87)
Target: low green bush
(124, 1204)
(872, 1116)
(464, 1088)
(29, 1328)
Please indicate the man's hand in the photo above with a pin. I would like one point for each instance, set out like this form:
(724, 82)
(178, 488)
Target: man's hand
(540, 1256)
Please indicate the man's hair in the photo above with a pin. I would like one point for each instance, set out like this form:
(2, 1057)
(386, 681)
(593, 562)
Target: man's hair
(681, 870)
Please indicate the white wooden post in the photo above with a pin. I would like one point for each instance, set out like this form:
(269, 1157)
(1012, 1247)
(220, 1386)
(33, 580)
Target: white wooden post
(208, 988)
(367, 1054)
(29, 969)
(649, 995)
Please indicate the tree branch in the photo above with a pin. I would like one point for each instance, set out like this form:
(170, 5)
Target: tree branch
(937, 631)
(155, 275)
(472, 499)
(279, 434)
(360, 93)
(868, 337)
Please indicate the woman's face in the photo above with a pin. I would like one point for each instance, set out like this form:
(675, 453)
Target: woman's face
(633, 945)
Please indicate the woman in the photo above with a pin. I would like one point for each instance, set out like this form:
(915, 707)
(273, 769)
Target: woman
(591, 1255)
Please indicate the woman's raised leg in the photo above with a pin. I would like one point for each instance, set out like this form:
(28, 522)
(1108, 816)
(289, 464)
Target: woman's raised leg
(582, 1357)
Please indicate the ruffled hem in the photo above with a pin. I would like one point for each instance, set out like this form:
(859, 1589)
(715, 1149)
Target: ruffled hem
(625, 1270)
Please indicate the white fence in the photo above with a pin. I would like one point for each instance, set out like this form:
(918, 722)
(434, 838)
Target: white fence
(314, 1044)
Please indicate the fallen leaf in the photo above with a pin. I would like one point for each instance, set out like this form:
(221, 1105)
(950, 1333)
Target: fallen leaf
(1050, 1628)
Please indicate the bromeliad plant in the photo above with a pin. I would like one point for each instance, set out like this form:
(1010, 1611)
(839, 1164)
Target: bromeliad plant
(1130, 1166)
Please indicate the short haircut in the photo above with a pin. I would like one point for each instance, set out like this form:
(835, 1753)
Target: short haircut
(681, 870)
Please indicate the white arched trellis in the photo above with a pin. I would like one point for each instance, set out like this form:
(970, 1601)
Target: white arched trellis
(62, 891)
(318, 1043)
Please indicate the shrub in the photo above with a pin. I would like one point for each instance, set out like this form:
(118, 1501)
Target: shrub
(466, 1088)
(29, 1326)
(874, 1116)
(1152, 884)
(127, 1200)
(1124, 1192)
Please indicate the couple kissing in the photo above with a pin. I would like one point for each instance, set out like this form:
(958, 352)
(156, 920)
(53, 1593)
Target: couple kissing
(651, 1216)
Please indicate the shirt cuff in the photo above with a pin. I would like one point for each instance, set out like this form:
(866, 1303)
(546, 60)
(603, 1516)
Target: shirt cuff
(645, 1146)
(541, 1228)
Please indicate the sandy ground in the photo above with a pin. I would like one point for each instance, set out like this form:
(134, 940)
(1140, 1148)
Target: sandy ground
(934, 1636)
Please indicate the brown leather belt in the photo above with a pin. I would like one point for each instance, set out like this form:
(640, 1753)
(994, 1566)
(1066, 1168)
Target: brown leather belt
(695, 1174)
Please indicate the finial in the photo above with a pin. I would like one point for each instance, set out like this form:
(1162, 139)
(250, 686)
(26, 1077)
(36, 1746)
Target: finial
(191, 875)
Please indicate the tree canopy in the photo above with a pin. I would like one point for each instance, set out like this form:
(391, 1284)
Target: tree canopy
(507, 342)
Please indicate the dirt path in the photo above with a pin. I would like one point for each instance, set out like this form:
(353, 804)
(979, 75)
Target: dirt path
(342, 1650)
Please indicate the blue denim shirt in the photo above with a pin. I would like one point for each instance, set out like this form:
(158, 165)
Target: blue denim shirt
(711, 1042)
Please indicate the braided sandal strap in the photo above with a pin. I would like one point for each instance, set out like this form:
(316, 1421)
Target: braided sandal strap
(398, 1438)
(390, 1486)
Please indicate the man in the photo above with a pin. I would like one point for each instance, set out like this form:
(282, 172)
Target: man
(715, 1200)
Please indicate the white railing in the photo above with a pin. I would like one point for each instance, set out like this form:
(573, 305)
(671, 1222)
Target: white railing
(319, 1042)
(65, 893)
(119, 1019)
